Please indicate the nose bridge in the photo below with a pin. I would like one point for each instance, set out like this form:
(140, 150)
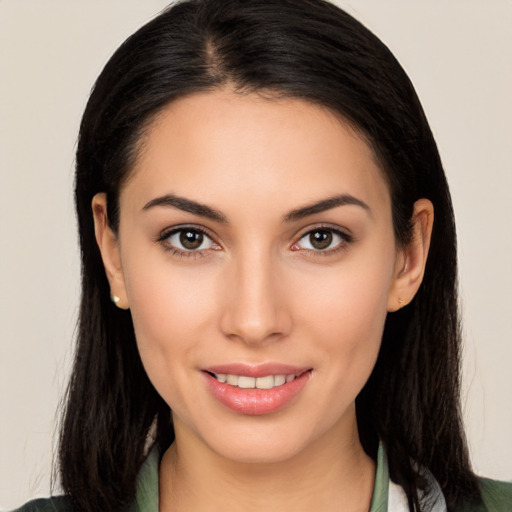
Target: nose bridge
(255, 311)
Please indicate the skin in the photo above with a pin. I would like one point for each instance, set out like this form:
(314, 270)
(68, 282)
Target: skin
(258, 291)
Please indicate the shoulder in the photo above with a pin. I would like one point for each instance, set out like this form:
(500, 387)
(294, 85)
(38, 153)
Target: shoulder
(497, 496)
(56, 504)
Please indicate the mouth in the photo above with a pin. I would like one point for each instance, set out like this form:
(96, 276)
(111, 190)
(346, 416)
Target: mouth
(255, 391)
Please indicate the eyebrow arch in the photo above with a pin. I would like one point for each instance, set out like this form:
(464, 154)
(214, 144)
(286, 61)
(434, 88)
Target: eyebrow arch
(324, 205)
(187, 205)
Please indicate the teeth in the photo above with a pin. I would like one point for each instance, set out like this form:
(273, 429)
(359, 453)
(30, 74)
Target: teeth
(265, 382)
(244, 382)
(232, 379)
(279, 380)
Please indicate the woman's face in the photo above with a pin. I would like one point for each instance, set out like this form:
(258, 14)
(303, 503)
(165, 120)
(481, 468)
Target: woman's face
(256, 246)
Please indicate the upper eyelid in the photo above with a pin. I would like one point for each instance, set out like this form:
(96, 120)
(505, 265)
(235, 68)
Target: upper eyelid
(167, 232)
(327, 227)
(346, 239)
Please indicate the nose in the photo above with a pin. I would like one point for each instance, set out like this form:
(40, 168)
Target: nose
(256, 309)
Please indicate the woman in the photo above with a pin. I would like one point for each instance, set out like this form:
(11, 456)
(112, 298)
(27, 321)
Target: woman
(256, 190)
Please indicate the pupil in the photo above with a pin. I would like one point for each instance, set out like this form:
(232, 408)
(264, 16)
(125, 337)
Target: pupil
(320, 239)
(191, 239)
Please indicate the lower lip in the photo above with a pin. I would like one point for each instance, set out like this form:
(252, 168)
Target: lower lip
(255, 402)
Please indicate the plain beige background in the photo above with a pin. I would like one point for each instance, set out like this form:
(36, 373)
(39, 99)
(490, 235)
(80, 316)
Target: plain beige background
(458, 53)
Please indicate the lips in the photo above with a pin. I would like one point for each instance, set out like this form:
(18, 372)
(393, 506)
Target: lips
(256, 390)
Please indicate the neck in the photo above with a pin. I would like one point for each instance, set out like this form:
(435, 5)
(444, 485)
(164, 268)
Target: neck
(331, 472)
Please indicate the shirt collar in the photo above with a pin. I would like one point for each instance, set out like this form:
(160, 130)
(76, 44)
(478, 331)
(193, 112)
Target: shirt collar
(380, 488)
(146, 498)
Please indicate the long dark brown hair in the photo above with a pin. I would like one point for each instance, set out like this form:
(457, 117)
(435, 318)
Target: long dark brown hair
(307, 49)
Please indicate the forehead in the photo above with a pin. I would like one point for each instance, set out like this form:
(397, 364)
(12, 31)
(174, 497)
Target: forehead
(221, 146)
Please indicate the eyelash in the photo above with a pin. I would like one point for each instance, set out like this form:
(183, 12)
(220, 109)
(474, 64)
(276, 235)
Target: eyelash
(346, 239)
(183, 253)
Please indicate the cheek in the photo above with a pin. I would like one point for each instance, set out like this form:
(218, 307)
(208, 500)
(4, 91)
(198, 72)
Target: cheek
(176, 298)
(355, 292)
(348, 328)
(345, 319)
(171, 308)
(344, 310)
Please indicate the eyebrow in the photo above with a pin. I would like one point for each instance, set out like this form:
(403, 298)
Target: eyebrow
(203, 210)
(324, 205)
(187, 205)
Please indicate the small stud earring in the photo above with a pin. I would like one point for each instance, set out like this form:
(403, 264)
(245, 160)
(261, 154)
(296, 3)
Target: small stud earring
(401, 302)
(117, 301)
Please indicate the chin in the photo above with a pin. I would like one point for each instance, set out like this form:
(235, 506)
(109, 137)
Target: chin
(258, 451)
(260, 440)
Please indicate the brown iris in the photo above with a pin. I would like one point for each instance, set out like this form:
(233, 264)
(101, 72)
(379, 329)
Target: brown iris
(320, 239)
(191, 239)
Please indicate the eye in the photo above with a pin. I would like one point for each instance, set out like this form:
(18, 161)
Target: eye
(322, 239)
(188, 239)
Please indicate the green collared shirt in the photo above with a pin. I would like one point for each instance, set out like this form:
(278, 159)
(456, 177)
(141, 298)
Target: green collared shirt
(387, 496)
(146, 499)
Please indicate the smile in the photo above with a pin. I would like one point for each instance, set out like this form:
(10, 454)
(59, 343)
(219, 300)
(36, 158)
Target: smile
(269, 389)
(245, 382)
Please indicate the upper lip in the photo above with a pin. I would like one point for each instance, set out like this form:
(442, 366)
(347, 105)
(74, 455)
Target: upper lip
(257, 370)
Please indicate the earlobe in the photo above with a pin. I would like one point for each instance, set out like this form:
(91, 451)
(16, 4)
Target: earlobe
(109, 249)
(412, 259)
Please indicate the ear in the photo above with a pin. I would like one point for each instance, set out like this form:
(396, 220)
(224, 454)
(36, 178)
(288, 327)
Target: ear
(109, 249)
(411, 260)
